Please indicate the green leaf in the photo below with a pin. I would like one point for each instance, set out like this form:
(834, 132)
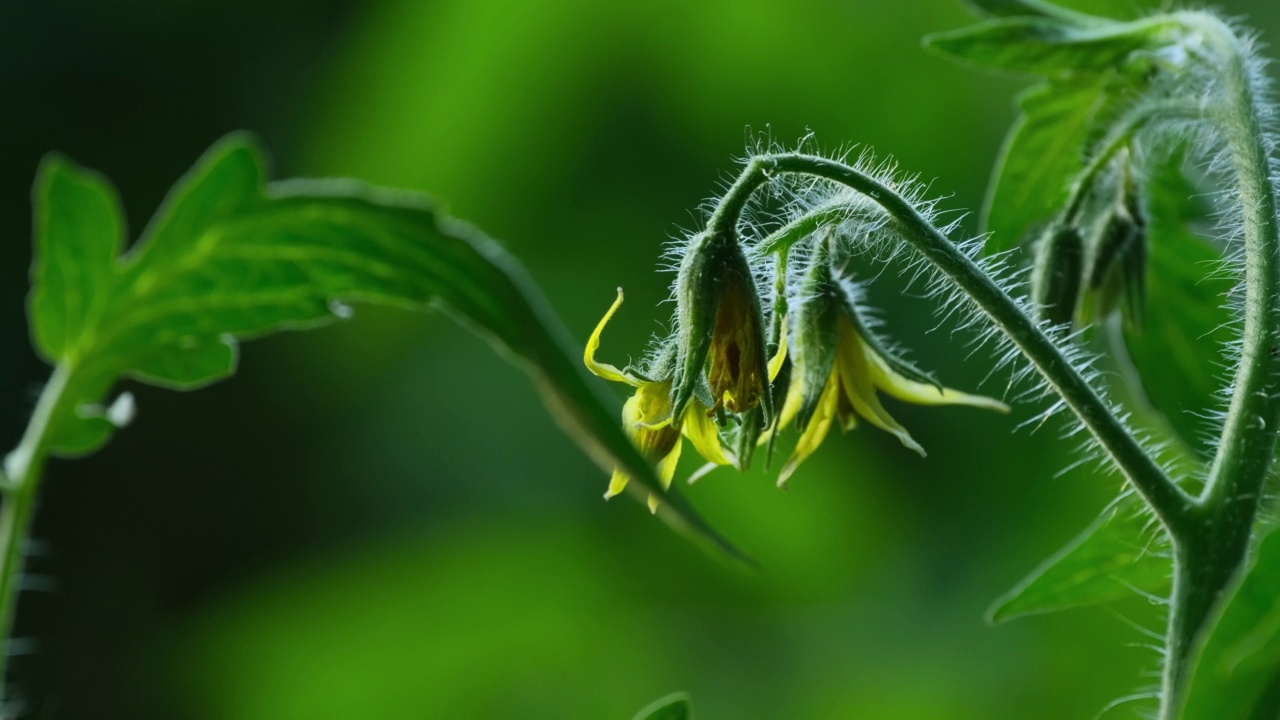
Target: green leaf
(79, 231)
(672, 707)
(229, 257)
(1078, 10)
(1042, 154)
(1119, 555)
(1179, 353)
(1237, 667)
(1046, 46)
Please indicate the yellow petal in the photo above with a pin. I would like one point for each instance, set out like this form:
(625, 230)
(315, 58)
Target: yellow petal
(855, 377)
(666, 470)
(790, 408)
(617, 484)
(902, 388)
(775, 363)
(652, 405)
(816, 431)
(702, 432)
(604, 370)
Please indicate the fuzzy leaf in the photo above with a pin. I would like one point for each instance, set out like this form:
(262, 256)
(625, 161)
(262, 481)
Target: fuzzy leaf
(230, 257)
(1112, 559)
(1237, 676)
(1042, 154)
(1048, 46)
(1179, 353)
(672, 707)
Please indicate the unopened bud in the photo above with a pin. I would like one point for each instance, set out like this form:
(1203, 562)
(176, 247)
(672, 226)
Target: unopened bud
(1055, 284)
(1118, 265)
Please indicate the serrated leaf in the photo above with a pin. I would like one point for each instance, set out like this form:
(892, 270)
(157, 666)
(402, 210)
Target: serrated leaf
(1179, 353)
(229, 257)
(1237, 666)
(1116, 557)
(1042, 154)
(1048, 46)
(672, 707)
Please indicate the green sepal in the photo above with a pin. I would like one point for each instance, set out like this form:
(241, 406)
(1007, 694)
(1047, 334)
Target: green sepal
(746, 438)
(814, 330)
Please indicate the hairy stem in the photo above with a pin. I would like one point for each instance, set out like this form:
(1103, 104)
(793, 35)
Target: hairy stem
(1214, 550)
(23, 467)
(1171, 504)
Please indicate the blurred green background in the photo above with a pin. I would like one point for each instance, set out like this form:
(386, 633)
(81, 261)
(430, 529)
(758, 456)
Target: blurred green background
(378, 519)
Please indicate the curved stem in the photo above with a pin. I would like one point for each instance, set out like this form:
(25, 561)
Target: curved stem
(23, 467)
(1208, 557)
(1171, 504)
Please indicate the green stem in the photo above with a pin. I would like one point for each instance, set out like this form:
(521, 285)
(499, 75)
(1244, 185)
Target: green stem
(23, 467)
(1171, 504)
(1209, 556)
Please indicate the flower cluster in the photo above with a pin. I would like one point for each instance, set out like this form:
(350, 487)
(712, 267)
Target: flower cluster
(712, 380)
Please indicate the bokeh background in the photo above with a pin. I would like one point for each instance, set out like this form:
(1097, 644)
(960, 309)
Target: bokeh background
(378, 520)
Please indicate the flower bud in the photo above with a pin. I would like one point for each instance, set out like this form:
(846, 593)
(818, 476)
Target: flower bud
(721, 328)
(1118, 264)
(1055, 283)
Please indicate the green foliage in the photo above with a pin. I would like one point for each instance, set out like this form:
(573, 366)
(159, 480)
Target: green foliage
(1108, 561)
(1043, 151)
(1238, 675)
(1045, 46)
(1179, 354)
(1066, 9)
(230, 257)
(1090, 103)
(671, 707)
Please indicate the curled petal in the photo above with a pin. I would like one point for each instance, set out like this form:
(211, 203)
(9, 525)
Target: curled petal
(604, 370)
(855, 376)
(911, 391)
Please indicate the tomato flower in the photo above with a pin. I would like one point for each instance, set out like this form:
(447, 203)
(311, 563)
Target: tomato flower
(649, 420)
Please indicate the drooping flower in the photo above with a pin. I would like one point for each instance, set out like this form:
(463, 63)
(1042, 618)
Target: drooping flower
(839, 365)
(649, 420)
(721, 328)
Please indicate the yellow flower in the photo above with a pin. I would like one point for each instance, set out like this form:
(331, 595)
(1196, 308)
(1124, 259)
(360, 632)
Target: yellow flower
(648, 420)
(849, 392)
